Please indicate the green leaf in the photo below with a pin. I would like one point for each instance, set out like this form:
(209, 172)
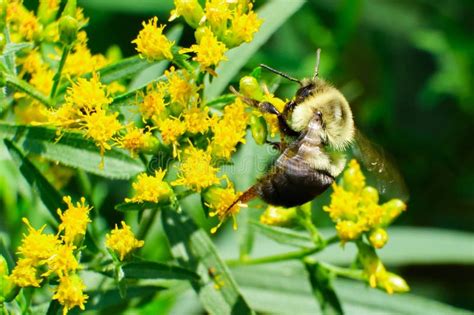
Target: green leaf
(50, 196)
(71, 149)
(155, 270)
(100, 299)
(415, 245)
(123, 69)
(136, 206)
(284, 235)
(193, 250)
(285, 289)
(323, 291)
(274, 13)
(13, 48)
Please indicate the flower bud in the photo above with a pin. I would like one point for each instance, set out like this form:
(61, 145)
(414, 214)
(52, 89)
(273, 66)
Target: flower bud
(277, 216)
(68, 27)
(199, 33)
(249, 87)
(8, 290)
(353, 178)
(258, 127)
(190, 10)
(378, 237)
(397, 283)
(70, 8)
(370, 195)
(47, 11)
(392, 210)
(348, 230)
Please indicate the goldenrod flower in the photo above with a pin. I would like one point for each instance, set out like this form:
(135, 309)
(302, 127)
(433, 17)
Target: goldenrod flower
(32, 62)
(153, 104)
(101, 127)
(151, 43)
(122, 241)
(190, 10)
(244, 26)
(37, 246)
(355, 209)
(151, 188)
(197, 119)
(25, 274)
(196, 170)
(64, 116)
(217, 13)
(29, 26)
(181, 88)
(171, 129)
(229, 130)
(88, 94)
(116, 88)
(218, 200)
(209, 52)
(81, 61)
(74, 220)
(63, 261)
(136, 139)
(43, 80)
(70, 293)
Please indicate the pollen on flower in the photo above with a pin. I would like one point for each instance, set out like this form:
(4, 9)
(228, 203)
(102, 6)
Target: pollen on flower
(122, 241)
(218, 200)
(229, 130)
(196, 170)
(25, 274)
(181, 88)
(101, 127)
(81, 61)
(244, 26)
(209, 52)
(135, 139)
(217, 13)
(190, 9)
(43, 81)
(151, 188)
(355, 207)
(70, 293)
(37, 246)
(74, 220)
(151, 43)
(153, 104)
(171, 129)
(197, 119)
(63, 261)
(88, 94)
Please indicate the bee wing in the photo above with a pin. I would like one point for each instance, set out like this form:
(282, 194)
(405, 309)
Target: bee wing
(382, 171)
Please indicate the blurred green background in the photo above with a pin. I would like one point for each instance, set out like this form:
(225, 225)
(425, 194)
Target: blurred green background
(407, 69)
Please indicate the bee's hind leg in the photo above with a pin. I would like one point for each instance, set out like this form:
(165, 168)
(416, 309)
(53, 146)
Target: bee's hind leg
(248, 195)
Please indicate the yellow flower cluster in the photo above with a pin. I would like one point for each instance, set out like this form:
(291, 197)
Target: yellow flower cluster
(229, 130)
(122, 241)
(355, 208)
(151, 43)
(218, 200)
(43, 255)
(220, 25)
(151, 188)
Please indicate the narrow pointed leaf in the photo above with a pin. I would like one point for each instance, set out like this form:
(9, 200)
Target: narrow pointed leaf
(284, 235)
(50, 196)
(71, 149)
(155, 270)
(323, 291)
(193, 250)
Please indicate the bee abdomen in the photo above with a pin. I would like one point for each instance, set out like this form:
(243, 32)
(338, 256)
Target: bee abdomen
(290, 189)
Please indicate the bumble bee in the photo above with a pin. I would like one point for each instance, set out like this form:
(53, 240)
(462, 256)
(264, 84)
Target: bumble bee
(320, 123)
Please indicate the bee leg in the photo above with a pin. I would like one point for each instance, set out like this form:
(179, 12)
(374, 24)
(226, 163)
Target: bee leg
(280, 146)
(248, 195)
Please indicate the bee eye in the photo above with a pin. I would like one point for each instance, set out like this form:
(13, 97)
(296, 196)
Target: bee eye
(305, 91)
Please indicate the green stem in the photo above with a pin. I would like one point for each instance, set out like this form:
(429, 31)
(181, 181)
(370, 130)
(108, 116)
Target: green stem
(355, 274)
(146, 222)
(283, 257)
(28, 89)
(57, 76)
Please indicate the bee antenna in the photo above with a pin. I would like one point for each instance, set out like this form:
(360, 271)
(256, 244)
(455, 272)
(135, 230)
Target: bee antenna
(316, 67)
(286, 76)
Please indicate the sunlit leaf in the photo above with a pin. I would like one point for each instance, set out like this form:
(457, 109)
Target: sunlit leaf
(155, 270)
(71, 149)
(284, 235)
(193, 250)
